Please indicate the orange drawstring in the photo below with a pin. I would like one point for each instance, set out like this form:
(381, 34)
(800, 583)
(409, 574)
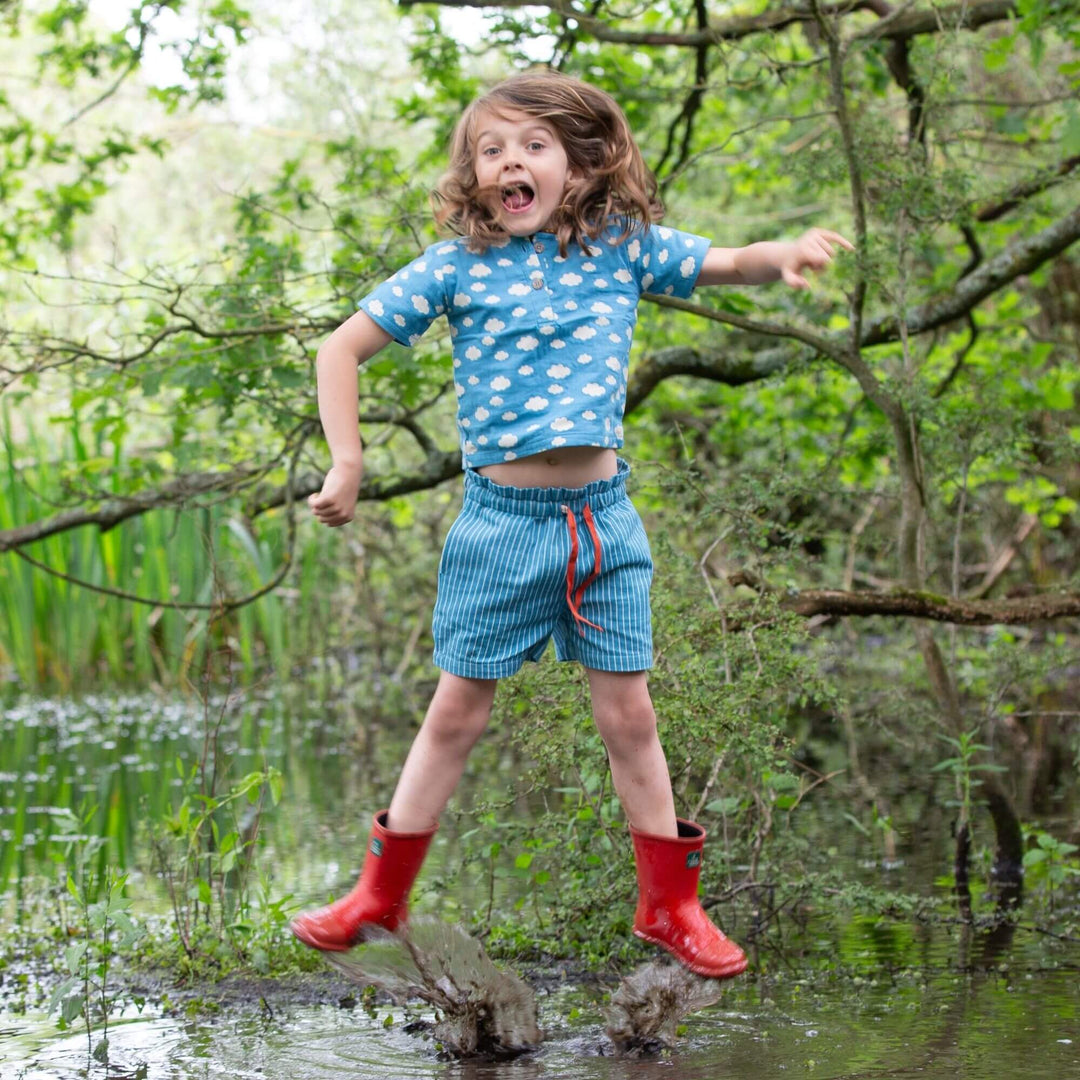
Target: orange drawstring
(574, 597)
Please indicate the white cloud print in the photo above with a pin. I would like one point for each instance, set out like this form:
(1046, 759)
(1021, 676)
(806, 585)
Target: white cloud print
(507, 440)
(536, 403)
(518, 290)
(583, 333)
(593, 389)
(558, 371)
(560, 423)
(375, 307)
(500, 382)
(527, 343)
(479, 270)
(421, 304)
(687, 266)
(494, 326)
(570, 279)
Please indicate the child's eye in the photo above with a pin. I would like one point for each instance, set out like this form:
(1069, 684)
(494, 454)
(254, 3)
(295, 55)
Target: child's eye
(488, 151)
(536, 145)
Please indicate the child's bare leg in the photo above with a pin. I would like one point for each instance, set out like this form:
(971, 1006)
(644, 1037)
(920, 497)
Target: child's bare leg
(626, 721)
(456, 718)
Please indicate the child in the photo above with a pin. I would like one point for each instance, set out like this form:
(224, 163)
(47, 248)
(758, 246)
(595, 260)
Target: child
(552, 204)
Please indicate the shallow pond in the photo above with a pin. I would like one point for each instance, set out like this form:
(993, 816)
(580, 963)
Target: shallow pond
(971, 1026)
(907, 1001)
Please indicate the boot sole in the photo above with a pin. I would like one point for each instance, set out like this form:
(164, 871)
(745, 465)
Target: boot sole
(316, 943)
(727, 971)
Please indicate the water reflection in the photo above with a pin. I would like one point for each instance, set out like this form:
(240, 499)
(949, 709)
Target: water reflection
(974, 1028)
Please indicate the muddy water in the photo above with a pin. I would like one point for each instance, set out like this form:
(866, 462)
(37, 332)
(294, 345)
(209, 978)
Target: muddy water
(916, 1002)
(984, 1027)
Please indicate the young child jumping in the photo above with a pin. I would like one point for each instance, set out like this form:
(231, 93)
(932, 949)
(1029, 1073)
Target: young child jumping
(555, 213)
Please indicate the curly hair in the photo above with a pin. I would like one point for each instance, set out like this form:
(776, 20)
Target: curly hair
(611, 185)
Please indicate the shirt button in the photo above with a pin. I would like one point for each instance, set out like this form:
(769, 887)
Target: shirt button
(538, 247)
(537, 282)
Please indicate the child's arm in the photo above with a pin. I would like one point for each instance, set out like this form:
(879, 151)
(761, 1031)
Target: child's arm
(355, 341)
(771, 260)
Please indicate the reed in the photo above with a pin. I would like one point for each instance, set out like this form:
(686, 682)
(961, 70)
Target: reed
(62, 636)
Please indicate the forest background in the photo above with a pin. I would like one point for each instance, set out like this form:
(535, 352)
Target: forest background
(862, 498)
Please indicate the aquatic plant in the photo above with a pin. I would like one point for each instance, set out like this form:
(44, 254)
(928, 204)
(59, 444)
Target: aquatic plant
(104, 929)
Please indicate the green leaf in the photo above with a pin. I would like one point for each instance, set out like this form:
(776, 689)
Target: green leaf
(73, 956)
(1035, 856)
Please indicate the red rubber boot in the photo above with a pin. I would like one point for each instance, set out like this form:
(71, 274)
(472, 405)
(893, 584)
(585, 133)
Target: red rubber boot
(669, 913)
(380, 897)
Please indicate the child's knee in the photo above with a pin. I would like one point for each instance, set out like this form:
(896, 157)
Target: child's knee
(460, 710)
(625, 722)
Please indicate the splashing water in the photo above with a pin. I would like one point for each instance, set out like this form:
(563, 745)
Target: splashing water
(480, 1010)
(648, 1006)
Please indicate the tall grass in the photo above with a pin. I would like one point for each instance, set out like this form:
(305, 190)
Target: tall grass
(57, 634)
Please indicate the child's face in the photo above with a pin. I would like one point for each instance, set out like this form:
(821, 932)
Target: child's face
(522, 156)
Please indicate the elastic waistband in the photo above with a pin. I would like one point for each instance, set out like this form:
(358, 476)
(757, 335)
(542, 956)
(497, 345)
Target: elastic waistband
(545, 501)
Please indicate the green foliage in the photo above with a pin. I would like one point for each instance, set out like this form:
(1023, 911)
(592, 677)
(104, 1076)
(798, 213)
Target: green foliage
(105, 930)
(1050, 865)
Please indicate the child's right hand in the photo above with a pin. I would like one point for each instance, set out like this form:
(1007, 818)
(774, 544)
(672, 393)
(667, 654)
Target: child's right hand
(336, 503)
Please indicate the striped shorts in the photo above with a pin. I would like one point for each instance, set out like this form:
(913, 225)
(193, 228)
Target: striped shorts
(523, 565)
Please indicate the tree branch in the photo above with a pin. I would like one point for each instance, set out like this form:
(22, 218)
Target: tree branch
(920, 605)
(1023, 255)
(908, 24)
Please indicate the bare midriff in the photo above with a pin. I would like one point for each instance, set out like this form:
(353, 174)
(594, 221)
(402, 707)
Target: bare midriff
(565, 466)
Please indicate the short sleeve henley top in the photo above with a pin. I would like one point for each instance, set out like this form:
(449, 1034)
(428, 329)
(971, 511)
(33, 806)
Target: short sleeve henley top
(541, 343)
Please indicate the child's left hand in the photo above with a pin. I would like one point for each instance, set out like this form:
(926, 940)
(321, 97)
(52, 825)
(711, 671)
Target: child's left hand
(813, 250)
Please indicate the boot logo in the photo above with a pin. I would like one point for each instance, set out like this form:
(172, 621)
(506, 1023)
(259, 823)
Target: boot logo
(376, 846)
(693, 859)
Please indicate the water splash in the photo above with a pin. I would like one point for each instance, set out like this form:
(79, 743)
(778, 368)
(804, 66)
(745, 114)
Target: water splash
(649, 1005)
(480, 1010)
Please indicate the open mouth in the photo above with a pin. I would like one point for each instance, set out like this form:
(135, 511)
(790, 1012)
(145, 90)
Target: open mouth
(517, 198)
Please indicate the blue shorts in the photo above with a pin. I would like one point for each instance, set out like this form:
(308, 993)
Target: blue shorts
(523, 565)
